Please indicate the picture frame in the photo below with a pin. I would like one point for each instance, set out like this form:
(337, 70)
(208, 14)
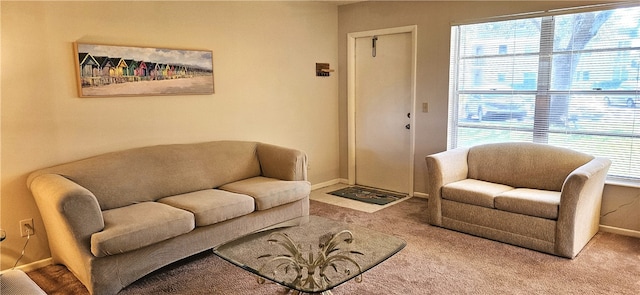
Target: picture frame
(113, 70)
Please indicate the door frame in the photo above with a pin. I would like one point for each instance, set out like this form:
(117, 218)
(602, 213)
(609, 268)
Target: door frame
(351, 96)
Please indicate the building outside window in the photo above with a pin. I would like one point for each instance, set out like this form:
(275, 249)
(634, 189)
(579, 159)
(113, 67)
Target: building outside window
(565, 79)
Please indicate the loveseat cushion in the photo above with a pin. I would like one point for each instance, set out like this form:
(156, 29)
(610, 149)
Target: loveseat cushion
(474, 192)
(212, 206)
(532, 202)
(139, 225)
(270, 192)
(524, 164)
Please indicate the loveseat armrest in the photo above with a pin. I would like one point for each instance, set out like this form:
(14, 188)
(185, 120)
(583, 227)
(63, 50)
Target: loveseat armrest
(70, 212)
(580, 202)
(444, 168)
(281, 162)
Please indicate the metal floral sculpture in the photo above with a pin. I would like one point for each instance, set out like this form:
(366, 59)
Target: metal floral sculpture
(330, 258)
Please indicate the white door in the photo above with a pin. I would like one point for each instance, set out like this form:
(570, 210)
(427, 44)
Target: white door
(383, 106)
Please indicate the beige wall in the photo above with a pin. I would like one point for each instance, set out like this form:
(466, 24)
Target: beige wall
(433, 19)
(266, 89)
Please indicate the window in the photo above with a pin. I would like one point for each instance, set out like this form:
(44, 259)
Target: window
(502, 49)
(569, 80)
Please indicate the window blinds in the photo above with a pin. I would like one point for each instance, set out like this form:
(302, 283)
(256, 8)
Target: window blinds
(569, 80)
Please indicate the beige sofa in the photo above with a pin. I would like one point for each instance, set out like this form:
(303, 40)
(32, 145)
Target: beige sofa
(114, 218)
(532, 195)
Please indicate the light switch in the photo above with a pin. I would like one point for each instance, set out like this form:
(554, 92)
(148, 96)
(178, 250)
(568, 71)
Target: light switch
(425, 107)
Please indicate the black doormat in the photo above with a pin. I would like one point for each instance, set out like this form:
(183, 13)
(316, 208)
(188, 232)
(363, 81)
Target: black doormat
(367, 195)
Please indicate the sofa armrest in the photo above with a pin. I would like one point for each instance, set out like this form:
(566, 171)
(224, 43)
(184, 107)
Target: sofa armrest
(444, 168)
(579, 211)
(282, 163)
(71, 213)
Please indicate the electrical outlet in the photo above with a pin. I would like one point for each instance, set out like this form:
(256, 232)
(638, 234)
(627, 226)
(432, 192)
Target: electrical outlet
(26, 227)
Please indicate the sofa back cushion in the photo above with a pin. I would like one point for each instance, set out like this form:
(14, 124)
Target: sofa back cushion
(146, 174)
(524, 164)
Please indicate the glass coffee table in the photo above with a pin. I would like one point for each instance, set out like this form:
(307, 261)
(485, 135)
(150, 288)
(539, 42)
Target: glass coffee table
(310, 254)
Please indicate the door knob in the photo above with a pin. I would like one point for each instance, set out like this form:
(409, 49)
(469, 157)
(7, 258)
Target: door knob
(408, 126)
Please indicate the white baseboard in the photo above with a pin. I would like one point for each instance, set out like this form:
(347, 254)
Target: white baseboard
(421, 195)
(33, 265)
(620, 231)
(329, 183)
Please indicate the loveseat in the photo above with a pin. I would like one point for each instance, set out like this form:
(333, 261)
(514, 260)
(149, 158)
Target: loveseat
(113, 218)
(535, 196)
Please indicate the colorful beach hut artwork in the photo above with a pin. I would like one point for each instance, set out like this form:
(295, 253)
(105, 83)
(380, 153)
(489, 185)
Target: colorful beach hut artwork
(111, 70)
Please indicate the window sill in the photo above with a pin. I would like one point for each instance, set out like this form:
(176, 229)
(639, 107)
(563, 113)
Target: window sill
(623, 182)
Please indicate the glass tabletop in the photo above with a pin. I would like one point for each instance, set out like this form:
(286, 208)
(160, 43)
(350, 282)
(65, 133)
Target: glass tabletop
(310, 254)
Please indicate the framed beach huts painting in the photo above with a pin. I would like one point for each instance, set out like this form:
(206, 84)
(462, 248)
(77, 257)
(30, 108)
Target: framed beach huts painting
(110, 70)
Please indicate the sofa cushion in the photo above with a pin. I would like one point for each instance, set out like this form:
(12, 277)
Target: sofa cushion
(149, 173)
(212, 206)
(524, 164)
(139, 225)
(532, 202)
(474, 192)
(269, 192)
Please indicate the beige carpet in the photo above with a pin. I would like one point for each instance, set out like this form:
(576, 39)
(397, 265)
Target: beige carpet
(435, 261)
